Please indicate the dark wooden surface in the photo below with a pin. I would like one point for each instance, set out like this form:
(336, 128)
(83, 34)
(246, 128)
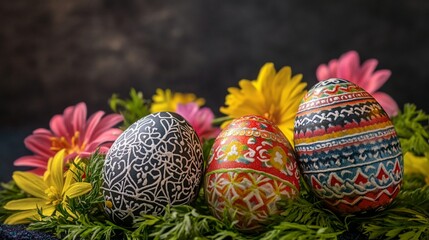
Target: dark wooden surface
(56, 53)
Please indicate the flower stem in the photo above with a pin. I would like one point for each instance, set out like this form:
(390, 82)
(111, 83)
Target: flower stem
(220, 120)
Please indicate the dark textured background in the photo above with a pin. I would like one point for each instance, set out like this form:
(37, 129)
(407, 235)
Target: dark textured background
(56, 53)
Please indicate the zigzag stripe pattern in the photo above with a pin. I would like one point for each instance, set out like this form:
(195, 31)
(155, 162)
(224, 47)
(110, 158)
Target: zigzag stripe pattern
(335, 88)
(369, 111)
(347, 148)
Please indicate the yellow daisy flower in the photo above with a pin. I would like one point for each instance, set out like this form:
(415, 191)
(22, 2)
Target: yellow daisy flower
(48, 191)
(168, 101)
(416, 164)
(275, 96)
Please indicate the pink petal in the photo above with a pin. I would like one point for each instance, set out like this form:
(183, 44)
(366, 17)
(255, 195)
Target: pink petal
(38, 171)
(187, 111)
(389, 105)
(59, 127)
(70, 156)
(31, 161)
(106, 123)
(109, 135)
(103, 149)
(365, 74)
(40, 145)
(333, 68)
(91, 125)
(67, 119)
(348, 66)
(200, 119)
(322, 72)
(377, 80)
(212, 133)
(85, 154)
(205, 118)
(42, 131)
(79, 117)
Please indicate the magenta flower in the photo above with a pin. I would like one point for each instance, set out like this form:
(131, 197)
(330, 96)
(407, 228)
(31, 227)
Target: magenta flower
(200, 119)
(348, 67)
(74, 133)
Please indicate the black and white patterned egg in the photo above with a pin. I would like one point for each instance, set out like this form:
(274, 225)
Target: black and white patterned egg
(157, 161)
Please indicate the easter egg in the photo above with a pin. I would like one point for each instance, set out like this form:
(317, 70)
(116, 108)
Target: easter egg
(157, 161)
(251, 167)
(347, 148)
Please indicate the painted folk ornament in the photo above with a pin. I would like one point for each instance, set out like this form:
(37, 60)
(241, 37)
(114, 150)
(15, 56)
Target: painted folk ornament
(157, 161)
(347, 148)
(251, 167)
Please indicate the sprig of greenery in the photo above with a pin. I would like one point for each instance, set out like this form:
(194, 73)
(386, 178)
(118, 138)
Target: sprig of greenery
(304, 218)
(179, 222)
(207, 146)
(91, 171)
(412, 182)
(9, 191)
(411, 125)
(132, 109)
(86, 226)
(303, 212)
(402, 223)
(289, 230)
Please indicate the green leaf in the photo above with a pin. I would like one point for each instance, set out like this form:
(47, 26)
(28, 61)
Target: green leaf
(207, 146)
(132, 109)
(9, 191)
(411, 126)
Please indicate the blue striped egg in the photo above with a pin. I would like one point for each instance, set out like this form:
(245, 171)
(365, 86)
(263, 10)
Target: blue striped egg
(347, 148)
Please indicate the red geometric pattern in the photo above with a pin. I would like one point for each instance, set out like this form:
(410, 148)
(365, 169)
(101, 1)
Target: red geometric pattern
(250, 197)
(251, 167)
(347, 148)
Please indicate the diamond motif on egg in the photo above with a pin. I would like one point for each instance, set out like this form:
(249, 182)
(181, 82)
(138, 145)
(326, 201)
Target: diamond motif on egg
(251, 168)
(347, 148)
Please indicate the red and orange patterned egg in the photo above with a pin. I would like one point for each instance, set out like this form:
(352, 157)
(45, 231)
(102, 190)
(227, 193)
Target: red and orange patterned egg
(251, 167)
(347, 148)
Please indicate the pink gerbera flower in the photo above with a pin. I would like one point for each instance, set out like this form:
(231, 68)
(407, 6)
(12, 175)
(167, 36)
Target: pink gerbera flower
(348, 67)
(200, 119)
(74, 133)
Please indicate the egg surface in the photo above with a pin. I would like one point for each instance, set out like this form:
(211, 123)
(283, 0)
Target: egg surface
(157, 161)
(251, 167)
(347, 148)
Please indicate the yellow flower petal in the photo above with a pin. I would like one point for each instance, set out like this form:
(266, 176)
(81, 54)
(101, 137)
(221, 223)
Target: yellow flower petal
(287, 130)
(167, 101)
(70, 175)
(77, 189)
(30, 183)
(55, 171)
(183, 98)
(48, 210)
(275, 96)
(161, 101)
(416, 164)
(26, 204)
(27, 216)
(267, 72)
(22, 217)
(162, 96)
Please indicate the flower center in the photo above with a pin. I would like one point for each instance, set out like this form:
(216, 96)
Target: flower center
(272, 114)
(71, 146)
(53, 195)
